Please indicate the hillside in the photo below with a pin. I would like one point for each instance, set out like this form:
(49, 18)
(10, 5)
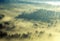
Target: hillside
(27, 22)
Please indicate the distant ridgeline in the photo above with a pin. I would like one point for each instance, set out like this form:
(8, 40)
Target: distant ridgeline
(14, 1)
(7, 1)
(19, 1)
(41, 15)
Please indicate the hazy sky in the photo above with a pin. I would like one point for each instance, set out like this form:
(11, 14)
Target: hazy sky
(27, 0)
(53, 2)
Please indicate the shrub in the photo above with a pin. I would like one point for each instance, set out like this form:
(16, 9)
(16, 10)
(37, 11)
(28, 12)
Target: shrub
(3, 34)
(1, 16)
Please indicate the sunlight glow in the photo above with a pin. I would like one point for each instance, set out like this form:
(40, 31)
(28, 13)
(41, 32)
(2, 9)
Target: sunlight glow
(53, 3)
